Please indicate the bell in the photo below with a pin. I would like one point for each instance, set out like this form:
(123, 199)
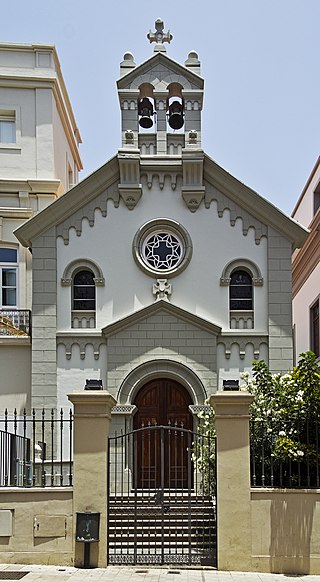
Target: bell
(175, 116)
(145, 111)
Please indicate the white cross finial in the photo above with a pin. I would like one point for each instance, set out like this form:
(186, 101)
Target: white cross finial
(159, 37)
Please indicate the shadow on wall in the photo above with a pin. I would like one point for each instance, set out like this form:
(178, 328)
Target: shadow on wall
(291, 530)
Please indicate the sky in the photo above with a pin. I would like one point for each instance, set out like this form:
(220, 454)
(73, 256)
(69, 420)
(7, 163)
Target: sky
(259, 59)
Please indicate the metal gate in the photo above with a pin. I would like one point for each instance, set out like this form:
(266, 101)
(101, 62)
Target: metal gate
(162, 497)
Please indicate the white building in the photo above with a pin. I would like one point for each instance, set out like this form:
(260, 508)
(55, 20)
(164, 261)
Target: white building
(39, 161)
(160, 274)
(306, 269)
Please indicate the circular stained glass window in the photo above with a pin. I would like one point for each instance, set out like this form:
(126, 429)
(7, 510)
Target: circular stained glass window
(162, 247)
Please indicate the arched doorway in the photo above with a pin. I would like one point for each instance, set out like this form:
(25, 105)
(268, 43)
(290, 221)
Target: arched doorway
(162, 458)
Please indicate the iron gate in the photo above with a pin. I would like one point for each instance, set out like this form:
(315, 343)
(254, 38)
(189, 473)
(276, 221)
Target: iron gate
(162, 497)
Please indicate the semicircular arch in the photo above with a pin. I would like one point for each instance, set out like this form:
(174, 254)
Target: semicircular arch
(161, 368)
(82, 264)
(243, 264)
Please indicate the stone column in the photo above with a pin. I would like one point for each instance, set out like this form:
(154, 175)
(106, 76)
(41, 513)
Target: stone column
(92, 415)
(233, 480)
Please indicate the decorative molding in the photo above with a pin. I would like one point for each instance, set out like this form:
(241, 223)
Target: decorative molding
(193, 190)
(242, 341)
(130, 195)
(130, 188)
(80, 264)
(236, 212)
(125, 409)
(88, 212)
(129, 135)
(193, 197)
(66, 282)
(82, 343)
(241, 319)
(162, 289)
(193, 136)
(196, 408)
(150, 177)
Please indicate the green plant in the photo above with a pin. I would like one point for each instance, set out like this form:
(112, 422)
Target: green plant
(204, 451)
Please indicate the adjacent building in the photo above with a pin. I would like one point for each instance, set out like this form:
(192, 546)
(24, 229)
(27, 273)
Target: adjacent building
(39, 161)
(306, 269)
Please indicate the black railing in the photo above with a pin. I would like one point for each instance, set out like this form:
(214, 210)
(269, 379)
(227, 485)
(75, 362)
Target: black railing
(15, 322)
(36, 449)
(285, 455)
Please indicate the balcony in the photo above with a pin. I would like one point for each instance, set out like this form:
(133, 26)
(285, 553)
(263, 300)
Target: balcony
(15, 322)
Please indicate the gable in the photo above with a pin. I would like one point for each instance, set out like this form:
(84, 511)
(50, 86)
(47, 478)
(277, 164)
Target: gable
(158, 70)
(220, 186)
(160, 308)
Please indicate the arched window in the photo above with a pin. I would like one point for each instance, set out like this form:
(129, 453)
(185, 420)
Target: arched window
(241, 276)
(240, 291)
(83, 276)
(83, 299)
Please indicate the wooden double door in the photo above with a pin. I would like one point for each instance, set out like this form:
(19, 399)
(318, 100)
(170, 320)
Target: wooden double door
(163, 428)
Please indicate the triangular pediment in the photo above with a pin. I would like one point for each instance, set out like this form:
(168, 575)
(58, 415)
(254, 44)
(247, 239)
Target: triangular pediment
(155, 309)
(157, 69)
(106, 179)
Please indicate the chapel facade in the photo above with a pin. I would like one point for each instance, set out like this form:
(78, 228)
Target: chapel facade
(160, 277)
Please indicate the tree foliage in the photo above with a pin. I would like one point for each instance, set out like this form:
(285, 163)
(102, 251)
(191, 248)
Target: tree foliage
(285, 416)
(286, 407)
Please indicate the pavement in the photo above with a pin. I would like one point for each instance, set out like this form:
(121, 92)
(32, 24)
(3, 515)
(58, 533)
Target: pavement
(140, 574)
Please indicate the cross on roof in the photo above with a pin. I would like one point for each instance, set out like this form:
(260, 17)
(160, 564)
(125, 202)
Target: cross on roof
(159, 37)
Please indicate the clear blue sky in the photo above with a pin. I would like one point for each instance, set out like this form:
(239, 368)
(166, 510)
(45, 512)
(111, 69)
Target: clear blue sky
(260, 61)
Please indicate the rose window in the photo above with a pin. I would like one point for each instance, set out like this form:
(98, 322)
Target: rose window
(162, 251)
(162, 247)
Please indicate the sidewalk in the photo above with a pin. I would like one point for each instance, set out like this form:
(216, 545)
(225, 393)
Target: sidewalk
(138, 574)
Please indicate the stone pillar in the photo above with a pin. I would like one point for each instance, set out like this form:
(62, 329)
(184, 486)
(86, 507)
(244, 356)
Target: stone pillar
(92, 415)
(233, 479)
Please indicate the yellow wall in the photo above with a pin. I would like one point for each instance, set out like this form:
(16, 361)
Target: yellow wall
(285, 531)
(42, 526)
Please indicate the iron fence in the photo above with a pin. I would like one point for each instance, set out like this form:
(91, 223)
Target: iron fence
(36, 449)
(285, 455)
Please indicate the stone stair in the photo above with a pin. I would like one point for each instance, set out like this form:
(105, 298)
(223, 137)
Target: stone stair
(162, 528)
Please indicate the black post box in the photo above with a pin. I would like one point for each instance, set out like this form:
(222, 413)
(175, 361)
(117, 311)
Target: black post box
(87, 527)
(87, 531)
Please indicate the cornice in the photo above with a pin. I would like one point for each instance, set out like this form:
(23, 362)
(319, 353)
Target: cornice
(313, 171)
(25, 47)
(32, 186)
(13, 212)
(70, 202)
(70, 129)
(228, 340)
(307, 258)
(251, 201)
(154, 308)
